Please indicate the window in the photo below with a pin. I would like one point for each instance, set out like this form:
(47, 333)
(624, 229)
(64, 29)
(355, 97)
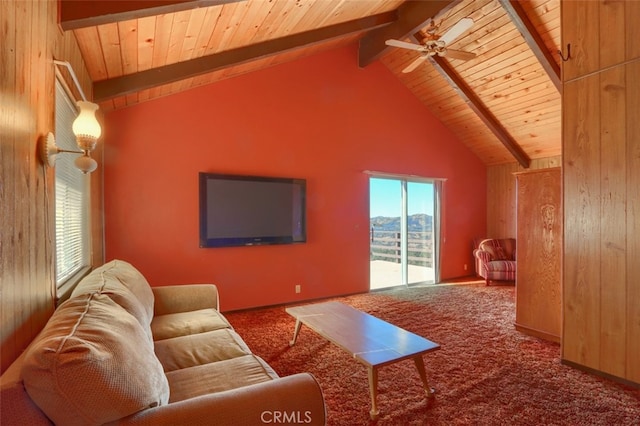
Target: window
(71, 196)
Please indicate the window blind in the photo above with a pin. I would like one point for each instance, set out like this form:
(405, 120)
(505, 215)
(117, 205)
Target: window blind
(71, 196)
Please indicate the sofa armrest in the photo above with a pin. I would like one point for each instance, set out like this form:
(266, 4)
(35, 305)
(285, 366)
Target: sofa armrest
(184, 298)
(295, 399)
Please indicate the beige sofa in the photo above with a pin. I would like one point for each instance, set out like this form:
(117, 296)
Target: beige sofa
(122, 352)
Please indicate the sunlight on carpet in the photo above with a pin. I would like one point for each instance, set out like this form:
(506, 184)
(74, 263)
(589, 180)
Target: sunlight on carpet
(486, 372)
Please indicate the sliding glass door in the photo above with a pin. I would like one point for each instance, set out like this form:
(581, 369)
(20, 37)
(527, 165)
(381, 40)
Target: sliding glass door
(403, 218)
(419, 230)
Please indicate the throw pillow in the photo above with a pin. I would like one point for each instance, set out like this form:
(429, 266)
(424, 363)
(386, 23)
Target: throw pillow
(93, 364)
(123, 283)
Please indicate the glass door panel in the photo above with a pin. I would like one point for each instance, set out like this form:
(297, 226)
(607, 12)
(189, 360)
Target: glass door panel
(385, 251)
(420, 242)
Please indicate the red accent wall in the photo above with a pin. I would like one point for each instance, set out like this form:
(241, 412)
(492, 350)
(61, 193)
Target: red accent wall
(320, 118)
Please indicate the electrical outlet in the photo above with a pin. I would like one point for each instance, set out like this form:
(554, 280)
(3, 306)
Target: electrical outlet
(297, 288)
(465, 266)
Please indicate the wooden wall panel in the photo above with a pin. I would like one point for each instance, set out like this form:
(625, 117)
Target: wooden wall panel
(501, 195)
(601, 273)
(613, 211)
(611, 50)
(632, 158)
(580, 29)
(7, 186)
(581, 224)
(25, 248)
(601, 34)
(30, 41)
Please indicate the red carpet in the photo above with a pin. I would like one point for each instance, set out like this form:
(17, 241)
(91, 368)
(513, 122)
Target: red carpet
(486, 372)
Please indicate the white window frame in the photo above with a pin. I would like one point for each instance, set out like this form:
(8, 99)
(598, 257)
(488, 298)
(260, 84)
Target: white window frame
(72, 198)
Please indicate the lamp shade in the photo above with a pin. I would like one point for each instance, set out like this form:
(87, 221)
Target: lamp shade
(86, 164)
(86, 125)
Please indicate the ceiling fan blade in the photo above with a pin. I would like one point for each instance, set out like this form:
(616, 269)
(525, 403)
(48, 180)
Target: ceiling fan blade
(413, 65)
(459, 54)
(457, 30)
(404, 45)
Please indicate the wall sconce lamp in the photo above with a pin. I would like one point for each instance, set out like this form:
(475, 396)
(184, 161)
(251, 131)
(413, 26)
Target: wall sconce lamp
(87, 131)
(85, 127)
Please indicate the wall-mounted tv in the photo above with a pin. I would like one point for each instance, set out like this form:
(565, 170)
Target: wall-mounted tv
(251, 210)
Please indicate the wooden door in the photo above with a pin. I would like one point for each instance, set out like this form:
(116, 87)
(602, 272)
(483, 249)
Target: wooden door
(539, 252)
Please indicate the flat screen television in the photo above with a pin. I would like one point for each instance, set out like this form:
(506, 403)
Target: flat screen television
(251, 210)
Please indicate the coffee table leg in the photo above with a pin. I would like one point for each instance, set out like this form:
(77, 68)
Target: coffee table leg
(423, 375)
(373, 390)
(295, 332)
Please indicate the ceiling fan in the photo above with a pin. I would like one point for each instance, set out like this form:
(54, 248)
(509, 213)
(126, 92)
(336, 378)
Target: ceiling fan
(437, 45)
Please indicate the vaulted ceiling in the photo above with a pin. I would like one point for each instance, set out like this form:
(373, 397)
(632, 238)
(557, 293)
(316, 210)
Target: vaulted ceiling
(504, 103)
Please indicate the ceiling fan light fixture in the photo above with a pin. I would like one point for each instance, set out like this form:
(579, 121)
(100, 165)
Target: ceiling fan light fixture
(432, 45)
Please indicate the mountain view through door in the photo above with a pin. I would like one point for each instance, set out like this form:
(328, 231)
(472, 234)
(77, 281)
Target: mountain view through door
(402, 249)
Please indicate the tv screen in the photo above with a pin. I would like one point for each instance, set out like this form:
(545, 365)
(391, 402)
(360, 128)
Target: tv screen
(251, 210)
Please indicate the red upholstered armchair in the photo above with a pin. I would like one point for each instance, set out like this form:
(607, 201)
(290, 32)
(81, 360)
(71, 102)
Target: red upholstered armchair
(496, 259)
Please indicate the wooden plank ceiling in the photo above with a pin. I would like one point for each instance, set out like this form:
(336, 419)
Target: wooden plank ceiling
(504, 104)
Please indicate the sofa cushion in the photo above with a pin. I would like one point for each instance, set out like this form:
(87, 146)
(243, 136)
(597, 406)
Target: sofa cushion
(496, 252)
(93, 364)
(501, 266)
(202, 348)
(185, 323)
(500, 249)
(218, 376)
(125, 285)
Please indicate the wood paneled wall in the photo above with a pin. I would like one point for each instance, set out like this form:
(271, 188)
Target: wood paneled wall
(501, 195)
(601, 164)
(30, 41)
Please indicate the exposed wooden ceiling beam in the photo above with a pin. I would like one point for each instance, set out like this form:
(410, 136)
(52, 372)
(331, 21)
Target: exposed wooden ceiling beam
(522, 22)
(126, 84)
(87, 13)
(412, 16)
(480, 109)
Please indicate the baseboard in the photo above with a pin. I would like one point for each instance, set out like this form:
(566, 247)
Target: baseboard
(537, 333)
(600, 373)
